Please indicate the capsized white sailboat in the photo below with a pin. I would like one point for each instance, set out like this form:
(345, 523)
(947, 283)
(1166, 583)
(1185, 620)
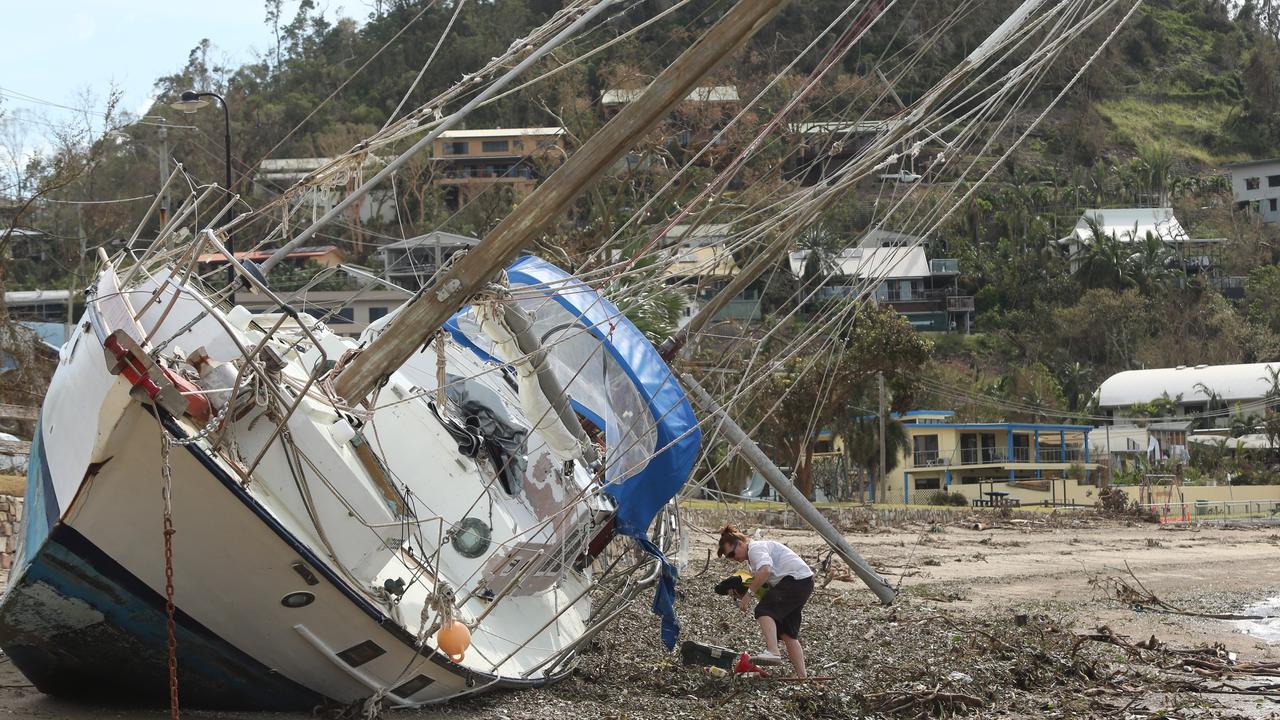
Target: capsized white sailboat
(318, 547)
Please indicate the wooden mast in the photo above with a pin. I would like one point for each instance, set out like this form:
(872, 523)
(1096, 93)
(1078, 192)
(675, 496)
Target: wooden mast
(417, 320)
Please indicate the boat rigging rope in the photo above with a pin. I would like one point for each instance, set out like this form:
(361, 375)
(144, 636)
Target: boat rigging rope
(167, 493)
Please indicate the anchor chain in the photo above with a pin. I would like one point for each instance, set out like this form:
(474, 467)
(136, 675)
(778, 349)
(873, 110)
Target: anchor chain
(167, 494)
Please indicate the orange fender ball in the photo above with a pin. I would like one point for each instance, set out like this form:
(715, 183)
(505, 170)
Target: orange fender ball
(454, 639)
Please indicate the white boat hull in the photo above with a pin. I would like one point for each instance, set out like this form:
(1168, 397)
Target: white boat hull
(84, 612)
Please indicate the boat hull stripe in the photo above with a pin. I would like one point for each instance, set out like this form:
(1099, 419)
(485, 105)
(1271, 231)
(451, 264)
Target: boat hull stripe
(80, 624)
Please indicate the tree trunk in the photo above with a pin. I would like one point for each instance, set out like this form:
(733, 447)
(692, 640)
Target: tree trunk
(804, 469)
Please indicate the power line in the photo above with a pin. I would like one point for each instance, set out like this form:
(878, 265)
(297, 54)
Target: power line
(101, 202)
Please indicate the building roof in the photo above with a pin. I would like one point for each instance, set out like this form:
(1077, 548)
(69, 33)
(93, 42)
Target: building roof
(18, 298)
(885, 263)
(307, 164)
(879, 237)
(1249, 441)
(1251, 163)
(500, 132)
(704, 261)
(1234, 383)
(699, 235)
(255, 255)
(294, 169)
(1130, 224)
(445, 239)
(715, 93)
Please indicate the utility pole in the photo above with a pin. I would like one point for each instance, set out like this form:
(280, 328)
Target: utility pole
(1110, 477)
(884, 476)
(164, 174)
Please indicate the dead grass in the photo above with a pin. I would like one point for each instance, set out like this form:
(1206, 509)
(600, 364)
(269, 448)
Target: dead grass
(1184, 127)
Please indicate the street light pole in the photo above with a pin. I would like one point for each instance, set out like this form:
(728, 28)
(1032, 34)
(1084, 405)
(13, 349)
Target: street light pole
(192, 101)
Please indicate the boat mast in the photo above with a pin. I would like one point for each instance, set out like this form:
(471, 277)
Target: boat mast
(898, 129)
(423, 315)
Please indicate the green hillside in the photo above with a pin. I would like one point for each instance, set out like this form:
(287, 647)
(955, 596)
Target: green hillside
(1187, 87)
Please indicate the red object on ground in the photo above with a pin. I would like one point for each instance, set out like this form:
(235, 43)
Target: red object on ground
(745, 665)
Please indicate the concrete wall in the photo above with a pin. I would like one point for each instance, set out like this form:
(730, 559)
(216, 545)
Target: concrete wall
(1074, 492)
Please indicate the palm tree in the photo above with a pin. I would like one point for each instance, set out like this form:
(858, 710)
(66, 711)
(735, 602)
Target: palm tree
(1157, 164)
(1075, 379)
(1214, 404)
(1273, 378)
(862, 446)
(1104, 261)
(1244, 424)
(1152, 263)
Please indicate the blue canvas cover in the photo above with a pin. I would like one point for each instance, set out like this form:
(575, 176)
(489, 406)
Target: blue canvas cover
(618, 381)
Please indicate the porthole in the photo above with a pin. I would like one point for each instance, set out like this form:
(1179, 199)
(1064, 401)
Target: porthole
(471, 537)
(299, 599)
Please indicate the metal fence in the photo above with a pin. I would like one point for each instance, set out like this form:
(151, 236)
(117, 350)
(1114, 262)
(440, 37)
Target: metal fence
(1199, 510)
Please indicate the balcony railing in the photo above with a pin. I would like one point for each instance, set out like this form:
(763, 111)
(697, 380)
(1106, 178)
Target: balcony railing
(944, 266)
(512, 173)
(997, 456)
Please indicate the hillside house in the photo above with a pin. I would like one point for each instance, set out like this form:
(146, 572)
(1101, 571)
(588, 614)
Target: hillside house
(893, 269)
(825, 147)
(411, 262)
(1255, 185)
(702, 264)
(324, 255)
(695, 122)
(1201, 256)
(468, 162)
(42, 305)
(1126, 225)
(277, 175)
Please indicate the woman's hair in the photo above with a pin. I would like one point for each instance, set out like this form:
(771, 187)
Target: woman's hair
(730, 536)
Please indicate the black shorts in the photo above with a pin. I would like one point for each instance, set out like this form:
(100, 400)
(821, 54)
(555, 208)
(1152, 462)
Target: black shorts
(783, 603)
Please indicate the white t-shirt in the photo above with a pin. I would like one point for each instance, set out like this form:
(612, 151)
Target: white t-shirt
(780, 559)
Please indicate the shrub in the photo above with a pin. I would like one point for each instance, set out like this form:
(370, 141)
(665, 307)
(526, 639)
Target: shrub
(942, 497)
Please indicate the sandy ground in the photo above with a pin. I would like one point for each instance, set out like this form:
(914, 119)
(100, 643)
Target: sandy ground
(999, 570)
(953, 570)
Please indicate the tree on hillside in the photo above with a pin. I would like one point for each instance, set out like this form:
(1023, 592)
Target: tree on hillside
(1152, 264)
(1076, 381)
(1104, 328)
(1262, 91)
(810, 390)
(1157, 162)
(1104, 261)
